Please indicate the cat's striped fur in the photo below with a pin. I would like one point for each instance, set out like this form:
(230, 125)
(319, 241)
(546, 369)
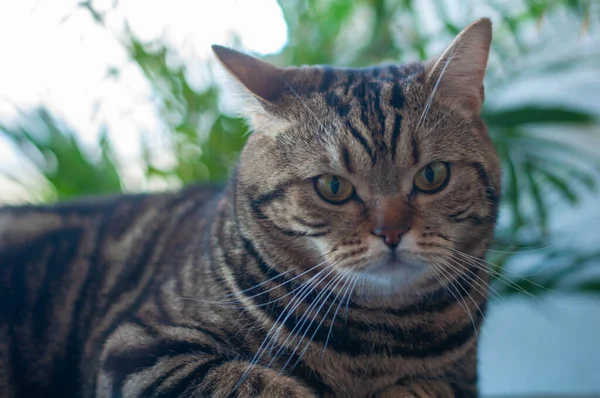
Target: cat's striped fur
(259, 288)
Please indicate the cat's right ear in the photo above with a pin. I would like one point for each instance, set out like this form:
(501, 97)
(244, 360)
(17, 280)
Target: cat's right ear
(262, 85)
(459, 72)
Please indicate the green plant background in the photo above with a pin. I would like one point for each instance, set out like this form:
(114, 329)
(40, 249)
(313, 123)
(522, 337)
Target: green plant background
(205, 138)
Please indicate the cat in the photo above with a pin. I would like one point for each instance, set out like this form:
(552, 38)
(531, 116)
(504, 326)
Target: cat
(343, 258)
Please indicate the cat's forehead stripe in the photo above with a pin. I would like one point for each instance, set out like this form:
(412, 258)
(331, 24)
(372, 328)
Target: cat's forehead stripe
(375, 124)
(414, 150)
(329, 77)
(362, 141)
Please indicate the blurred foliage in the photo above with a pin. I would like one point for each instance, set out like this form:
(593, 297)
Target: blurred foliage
(204, 140)
(56, 153)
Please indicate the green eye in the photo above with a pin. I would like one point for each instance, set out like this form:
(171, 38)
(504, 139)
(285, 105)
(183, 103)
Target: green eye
(433, 177)
(333, 189)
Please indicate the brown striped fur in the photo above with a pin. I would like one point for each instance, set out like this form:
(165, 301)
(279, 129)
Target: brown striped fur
(260, 288)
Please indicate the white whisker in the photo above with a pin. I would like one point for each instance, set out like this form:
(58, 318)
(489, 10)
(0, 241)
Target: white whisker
(474, 274)
(307, 345)
(435, 87)
(462, 302)
(349, 286)
(537, 249)
(304, 317)
(279, 323)
(483, 264)
(256, 286)
(299, 302)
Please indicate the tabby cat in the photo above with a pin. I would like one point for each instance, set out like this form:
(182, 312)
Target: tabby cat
(342, 259)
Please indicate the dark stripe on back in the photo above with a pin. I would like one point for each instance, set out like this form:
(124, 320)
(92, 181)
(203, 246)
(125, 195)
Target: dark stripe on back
(55, 249)
(169, 235)
(63, 244)
(14, 310)
(131, 275)
(85, 306)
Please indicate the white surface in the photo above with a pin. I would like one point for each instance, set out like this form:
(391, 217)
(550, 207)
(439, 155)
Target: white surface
(551, 347)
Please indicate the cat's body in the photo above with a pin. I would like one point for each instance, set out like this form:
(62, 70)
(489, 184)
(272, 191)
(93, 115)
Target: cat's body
(288, 281)
(72, 273)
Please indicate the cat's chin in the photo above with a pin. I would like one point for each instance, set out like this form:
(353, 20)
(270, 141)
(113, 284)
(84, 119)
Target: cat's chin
(391, 276)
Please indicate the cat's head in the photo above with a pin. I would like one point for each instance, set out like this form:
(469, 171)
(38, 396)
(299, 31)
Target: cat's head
(385, 172)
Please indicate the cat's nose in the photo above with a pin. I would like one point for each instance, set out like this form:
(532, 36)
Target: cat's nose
(391, 235)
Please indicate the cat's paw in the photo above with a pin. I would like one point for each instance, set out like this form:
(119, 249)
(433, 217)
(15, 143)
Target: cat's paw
(257, 382)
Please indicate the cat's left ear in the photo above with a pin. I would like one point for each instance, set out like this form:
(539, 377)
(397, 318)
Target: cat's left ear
(262, 87)
(458, 73)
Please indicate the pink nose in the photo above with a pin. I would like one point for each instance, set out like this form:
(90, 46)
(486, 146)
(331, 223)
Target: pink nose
(390, 235)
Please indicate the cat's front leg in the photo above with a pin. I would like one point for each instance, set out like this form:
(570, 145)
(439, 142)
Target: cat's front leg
(184, 364)
(210, 378)
(430, 389)
(203, 376)
(259, 382)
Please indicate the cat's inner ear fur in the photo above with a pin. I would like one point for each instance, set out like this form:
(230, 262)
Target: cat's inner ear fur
(262, 86)
(458, 73)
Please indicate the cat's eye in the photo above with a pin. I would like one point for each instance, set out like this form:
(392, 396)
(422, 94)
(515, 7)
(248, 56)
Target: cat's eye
(333, 189)
(433, 177)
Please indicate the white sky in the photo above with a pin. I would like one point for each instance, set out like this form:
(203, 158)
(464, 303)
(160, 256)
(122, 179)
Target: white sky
(54, 54)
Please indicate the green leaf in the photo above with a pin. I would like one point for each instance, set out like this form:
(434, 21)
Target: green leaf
(67, 167)
(512, 194)
(540, 206)
(558, 183)
(531, 114)
(592, 286)
(571, 265)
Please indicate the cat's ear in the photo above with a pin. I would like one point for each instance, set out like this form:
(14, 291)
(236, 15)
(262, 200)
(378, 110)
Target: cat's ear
(258, 77)
(262, 85)
(459, 72)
